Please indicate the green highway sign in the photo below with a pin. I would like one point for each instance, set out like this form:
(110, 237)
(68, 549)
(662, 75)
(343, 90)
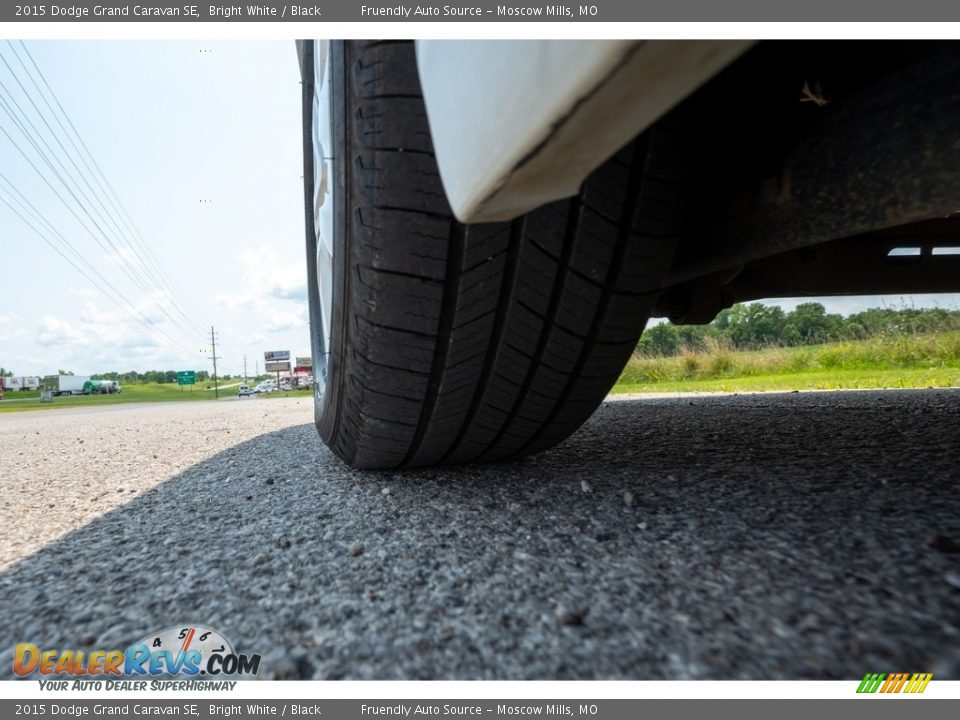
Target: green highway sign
(186, 377)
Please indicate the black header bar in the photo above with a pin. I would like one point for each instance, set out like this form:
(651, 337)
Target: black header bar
(485, 11)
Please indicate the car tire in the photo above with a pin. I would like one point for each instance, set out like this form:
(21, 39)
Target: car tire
(453, 343)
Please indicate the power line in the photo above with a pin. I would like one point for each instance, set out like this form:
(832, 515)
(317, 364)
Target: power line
(138, 272)
(134, 233)
(67, 205)
(53, 189)
(22, 116)
(128, 306)
(56, 117)
(43, 156)
(182, 307)
(132, 270)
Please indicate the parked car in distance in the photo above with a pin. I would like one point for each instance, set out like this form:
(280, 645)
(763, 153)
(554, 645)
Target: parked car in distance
(265, 386)
(245, 391)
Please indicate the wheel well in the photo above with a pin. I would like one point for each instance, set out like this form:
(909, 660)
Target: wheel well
(814, 160)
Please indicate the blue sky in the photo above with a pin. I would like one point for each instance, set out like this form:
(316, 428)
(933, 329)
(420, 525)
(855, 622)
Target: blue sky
(201, 142)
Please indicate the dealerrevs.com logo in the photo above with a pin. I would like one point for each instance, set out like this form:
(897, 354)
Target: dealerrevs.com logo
(190, 651)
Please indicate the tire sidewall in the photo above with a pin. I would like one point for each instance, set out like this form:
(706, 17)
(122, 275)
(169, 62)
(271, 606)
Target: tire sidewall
(327, 393)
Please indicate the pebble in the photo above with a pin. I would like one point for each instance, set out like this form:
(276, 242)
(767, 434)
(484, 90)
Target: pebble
(356, 549)
(585, 487)
(570, 617)
(945, 544)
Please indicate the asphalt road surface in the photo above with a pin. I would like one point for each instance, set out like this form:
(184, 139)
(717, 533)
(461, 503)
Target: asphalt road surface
(811, 535)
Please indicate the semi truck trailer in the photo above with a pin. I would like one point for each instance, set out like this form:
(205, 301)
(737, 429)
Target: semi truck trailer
(66, 384)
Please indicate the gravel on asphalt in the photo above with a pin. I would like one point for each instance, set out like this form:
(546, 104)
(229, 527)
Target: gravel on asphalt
(768, 536)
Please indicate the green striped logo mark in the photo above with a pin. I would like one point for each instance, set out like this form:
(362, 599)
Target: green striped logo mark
(871, 682)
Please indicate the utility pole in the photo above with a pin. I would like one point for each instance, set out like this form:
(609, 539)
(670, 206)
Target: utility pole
(244, 369)
(213, 343)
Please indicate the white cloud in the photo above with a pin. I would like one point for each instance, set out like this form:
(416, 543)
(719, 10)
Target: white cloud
(53, 331)
(102, 339)
(276, 291)
(124, 257)
(281, 321)
(235, 302)
(290, 292)
(266, 274)
(84, 292)
(8, 330)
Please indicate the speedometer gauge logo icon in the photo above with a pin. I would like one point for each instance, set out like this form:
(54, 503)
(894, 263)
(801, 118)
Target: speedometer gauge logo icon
(191, 650)
(186, 638)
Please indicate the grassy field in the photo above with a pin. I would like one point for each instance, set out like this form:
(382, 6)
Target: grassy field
(906, 361)
(300, 392)
(132, 393)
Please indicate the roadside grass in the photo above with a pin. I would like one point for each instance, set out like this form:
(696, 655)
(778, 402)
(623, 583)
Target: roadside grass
(903, 361)
(20, 401)
(139, 392)
(839, 380)
(301, 392)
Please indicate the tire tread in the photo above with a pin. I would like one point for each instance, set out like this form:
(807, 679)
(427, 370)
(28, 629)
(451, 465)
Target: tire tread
(485, 342)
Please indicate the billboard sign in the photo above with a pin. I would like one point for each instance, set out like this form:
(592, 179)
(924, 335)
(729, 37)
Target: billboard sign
(303, 366)
(21, 382)
(276, 355)
(278, 366)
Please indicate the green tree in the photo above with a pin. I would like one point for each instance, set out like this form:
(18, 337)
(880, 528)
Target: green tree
(751, 325)
(660, 340)
(694, 337)
(755, 325)
(809, 323)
